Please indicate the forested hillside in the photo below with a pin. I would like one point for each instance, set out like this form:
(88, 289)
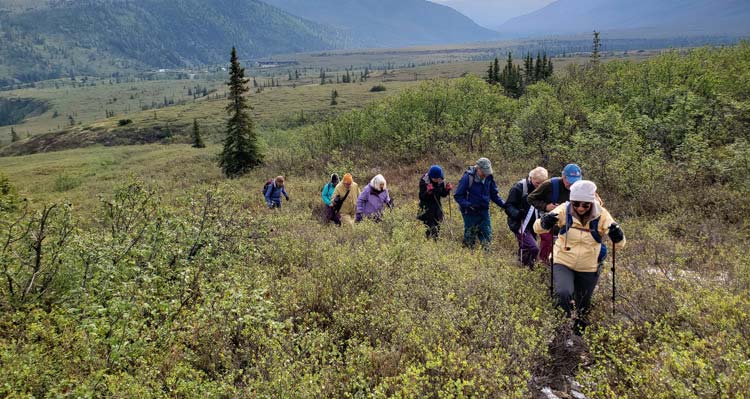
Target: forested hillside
(178, 283)
(94, 37)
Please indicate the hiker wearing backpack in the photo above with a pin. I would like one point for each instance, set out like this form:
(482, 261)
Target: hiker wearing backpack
(327, 195)
(521, 215)
(345, 200)
(432, 188)
(579, 250)
(373, 200)
(548, 196)
(473, 195)
(273, 191)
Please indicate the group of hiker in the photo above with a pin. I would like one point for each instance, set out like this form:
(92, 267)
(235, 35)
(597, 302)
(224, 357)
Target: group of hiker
(565, 214)
(347, 204)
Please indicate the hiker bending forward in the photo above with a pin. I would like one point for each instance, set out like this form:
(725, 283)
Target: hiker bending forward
(326, 193)
(373, 200)
(548, 196)
(579, 249)
(521, 215)
(274, 192)
(345, 199)
(474, 193)
(431, 189)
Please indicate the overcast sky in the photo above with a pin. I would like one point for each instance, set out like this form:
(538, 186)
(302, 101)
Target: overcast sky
(492, 13)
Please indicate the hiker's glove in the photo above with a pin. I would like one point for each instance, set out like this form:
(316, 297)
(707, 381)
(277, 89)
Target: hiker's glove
(615, 233)
(448, 186)
(287, 198)
(359, 218)
(430, 187)
(549, 221)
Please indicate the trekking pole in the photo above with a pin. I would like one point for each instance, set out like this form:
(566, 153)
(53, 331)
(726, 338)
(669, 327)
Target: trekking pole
(614, 253)
(450, 208)
(552, 268)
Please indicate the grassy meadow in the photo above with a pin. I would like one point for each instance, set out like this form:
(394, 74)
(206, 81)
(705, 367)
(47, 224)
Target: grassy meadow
(139, 271)
(160, 101)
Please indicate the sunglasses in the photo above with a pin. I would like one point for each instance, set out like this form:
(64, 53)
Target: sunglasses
(580, 204)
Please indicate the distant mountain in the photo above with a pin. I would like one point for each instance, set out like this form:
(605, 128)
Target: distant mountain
(665, 17)
(390, 23)
(44, 39)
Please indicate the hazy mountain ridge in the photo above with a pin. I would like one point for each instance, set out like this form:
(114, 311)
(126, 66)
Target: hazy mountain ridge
(390, 23)
(669, 17)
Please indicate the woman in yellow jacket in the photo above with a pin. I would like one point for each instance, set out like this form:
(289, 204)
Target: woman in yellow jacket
(345, 199)
(579, 249)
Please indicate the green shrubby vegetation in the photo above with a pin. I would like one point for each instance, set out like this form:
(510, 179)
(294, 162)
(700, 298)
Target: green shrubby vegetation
(191, 288)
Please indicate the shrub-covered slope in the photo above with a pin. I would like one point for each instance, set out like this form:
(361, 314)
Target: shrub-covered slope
(190, 287)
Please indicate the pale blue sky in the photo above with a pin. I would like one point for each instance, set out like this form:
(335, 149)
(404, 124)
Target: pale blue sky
(492, 13)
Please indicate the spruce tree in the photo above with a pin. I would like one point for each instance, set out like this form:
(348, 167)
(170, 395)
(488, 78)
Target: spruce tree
(595, 50)
(528, 69)
(496, 72)
(13, 135)
(550, 67)
(491, 73)
(538, 68)
(197, 139)
(240, 152)
(511, 79)
(334, 95)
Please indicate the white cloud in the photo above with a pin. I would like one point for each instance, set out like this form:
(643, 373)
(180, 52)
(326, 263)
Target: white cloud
(492, 13)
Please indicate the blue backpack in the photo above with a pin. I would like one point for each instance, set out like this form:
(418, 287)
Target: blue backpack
(555, 181)
(593, 229)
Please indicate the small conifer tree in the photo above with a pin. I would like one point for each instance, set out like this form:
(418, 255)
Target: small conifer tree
(240, 152)
(197, 139)
(334, 95)
(596, 49)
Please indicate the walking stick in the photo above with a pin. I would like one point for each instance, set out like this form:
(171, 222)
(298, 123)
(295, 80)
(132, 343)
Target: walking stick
(450, 217)
(552, 267)
(614, 253)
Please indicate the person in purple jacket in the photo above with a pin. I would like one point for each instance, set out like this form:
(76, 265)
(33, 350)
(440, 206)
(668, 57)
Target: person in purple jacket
(475, 191)
(373, 200)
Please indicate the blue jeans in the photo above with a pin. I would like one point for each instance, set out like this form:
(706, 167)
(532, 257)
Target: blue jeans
(477, 226)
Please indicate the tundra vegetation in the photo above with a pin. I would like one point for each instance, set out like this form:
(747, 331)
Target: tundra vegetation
(178, 283)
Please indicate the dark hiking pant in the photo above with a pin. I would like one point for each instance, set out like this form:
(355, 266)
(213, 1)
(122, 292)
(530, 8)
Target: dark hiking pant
(477, 226)
(433, 228)
(527, 248)
(573, 291)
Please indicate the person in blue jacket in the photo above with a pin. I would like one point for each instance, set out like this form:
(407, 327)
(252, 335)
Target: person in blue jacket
(327, 195)
(274, 192)
(473, 195)
(327, 192)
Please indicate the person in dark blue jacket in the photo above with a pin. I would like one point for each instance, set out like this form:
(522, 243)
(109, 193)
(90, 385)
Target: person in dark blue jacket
(274, 192)
(473, 195)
